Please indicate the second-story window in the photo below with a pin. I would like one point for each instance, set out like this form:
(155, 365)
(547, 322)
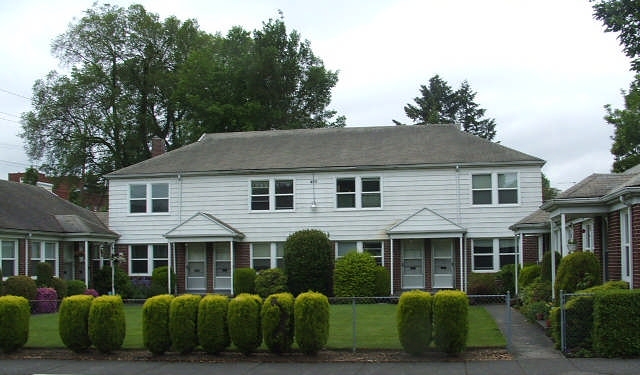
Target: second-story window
(494, 188)
(272, 194)
(361, 192)
(146, 198)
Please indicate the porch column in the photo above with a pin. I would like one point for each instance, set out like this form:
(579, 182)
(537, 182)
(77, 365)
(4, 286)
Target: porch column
(463, 284)
(392, 264)
(552, 251)
(87, 256)
(563, 234)
(169, 264)
(232, 264)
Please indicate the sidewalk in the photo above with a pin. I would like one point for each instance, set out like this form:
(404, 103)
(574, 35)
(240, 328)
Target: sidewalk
(533, 355)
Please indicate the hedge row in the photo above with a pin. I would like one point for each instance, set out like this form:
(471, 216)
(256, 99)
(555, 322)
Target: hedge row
(422, 317)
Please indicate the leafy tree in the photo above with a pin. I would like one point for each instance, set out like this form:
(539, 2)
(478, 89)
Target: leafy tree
(548, 192)
(31, 176)
(623, 17)
(626, 138)
(440, 104)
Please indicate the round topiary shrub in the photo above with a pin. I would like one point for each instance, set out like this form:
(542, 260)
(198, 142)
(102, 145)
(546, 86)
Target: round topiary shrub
(311, 322)
(383, 282)
(155, 323)
(75, 287)
(355, 275)
(528, 274)
(414, 321)
(577, 271)
(277, 321)
(183, 320)
(73, 322)
(15, 313)
(44, 274)
(22, 286)
(271, 281)
(160, 281)
(244, 281)
(244, 322)
(107, 326)
(213, 329)
(46, 301)
(308, 256)
(450, 321)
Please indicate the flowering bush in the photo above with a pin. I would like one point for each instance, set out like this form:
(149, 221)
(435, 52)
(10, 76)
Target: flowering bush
(92, 292)
(46, 301)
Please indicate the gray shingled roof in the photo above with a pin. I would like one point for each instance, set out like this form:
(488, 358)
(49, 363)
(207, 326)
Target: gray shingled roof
(28, 208)
(598, 185)
(333, 148)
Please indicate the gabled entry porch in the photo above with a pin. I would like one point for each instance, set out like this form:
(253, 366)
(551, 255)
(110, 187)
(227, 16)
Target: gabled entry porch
(426, 253)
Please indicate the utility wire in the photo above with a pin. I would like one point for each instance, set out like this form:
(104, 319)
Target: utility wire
(14, 94)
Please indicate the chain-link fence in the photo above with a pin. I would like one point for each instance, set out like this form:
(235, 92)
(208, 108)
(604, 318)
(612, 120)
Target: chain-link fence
(373, 317)
(576, 321)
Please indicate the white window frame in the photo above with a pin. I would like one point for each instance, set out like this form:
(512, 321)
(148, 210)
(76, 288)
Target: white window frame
(276, 254)
(43, 245)
(359, 192)
(587, 236)
(496, 189)
(14, 259)
(272, 196)
(150, 258)
(625, 246)
(341, 248)
(495, 255)
(149, 198)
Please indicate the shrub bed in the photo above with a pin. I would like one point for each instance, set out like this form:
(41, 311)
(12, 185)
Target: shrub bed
(183, 322)
(73, 322)
(155, 323)
(213, 329)
(15, 313)
(277, 321)
(451, 320)
(107, 326)
(311, 322)
(414, 320)
(244, 322)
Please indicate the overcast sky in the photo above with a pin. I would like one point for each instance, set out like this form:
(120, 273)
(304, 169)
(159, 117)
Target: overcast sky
(543, 69)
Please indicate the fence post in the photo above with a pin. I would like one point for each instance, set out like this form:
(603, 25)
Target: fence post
(508, 319)
(353, 319)
(563, 323)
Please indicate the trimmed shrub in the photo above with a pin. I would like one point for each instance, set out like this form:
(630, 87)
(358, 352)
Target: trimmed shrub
(46, 301)
(616, 331)
(528, 274)
(538, 290)
(414, 321)
(183, 322)
(44, 275)
(75, 287)
(383, 282)
(22, 286)
(271, 281)
(243, 317)
(482, 284)
(507, 279)
(14, 325)
(545, 271)
(102, 282)
(308, 256)
(450, 321)
(107, 326)
(355, 275)
(213, 329)
(277, 321)
(244, 281)
(155, 324)
(311, 322)
(159, 281)
(60, 286)
(577, 271)
(73, 322)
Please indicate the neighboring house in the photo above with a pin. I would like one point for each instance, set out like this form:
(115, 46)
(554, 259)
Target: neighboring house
(38, 226)
(600, 214)
(430, 203)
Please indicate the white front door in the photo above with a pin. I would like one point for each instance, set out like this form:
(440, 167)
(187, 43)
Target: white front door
(442, 250)
(196, 266)
(222, 267)
(413, 264)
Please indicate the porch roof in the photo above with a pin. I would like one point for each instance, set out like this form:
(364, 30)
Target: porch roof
(425, 223)
(203, 227)
(537, 222)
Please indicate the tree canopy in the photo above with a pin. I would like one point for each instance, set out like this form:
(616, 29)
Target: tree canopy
(622, 17)
(440, 104)
(132, 76)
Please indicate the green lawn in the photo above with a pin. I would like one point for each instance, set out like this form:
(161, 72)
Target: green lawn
(376, 328)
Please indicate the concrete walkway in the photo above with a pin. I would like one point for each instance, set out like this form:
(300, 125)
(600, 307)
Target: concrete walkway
(533, 355)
